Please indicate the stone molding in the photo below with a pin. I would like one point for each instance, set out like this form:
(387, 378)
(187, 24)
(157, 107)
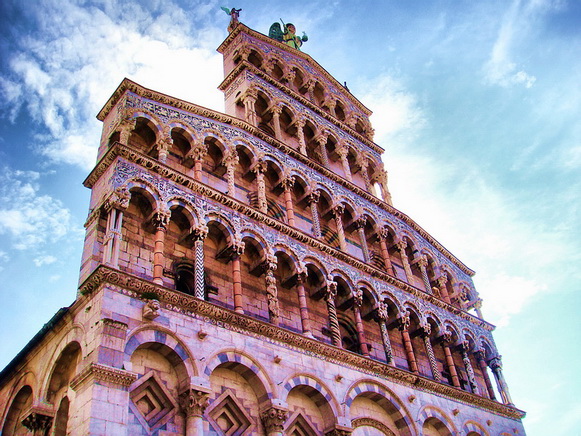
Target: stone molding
(104, 373)
(373, 423)
(186, 304)
(132, 155)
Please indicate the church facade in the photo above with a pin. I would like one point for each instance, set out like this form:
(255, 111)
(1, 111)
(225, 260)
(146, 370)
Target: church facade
(245, 273)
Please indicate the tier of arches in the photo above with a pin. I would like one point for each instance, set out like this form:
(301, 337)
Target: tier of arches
(172, 245)
(234, 394)
(290, 195)
(291, 74)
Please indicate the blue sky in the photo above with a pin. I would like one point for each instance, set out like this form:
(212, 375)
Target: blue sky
(476, 103)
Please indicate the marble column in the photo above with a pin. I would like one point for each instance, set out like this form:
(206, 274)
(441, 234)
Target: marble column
(199, 234)
(450, 360)
(193, 404)
(313, 200)
(160, 221)
(288, 184)
(364, 166)
(426, 330)
(480, 357)
(197, 153)
(300, 125)
(237, 249)
(343, 152)
(125, 128)
(423, 264)
(276, 111)
(321, 141)
(469, 370)
(338, 214)
(443, 289)
(383, 235)
(230, 161)
(116, 204)
(330, 295)
(401, 246)
(360, 224)
(496, 365)
(272, 290)
(249, 100)
(305, 323)
(382, 318)
(404, 325)
(357, 303)
(273, 420)
(259, 169)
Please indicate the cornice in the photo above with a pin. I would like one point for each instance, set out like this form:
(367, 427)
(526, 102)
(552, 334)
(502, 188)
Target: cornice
(103, 373)
(302, 100)
(132, 155)
(177, 302)
(128, 85)
(241, 28)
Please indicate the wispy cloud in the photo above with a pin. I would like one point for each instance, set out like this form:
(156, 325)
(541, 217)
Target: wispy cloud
(46, 259)
(62, 75)
(28, 218)
(501, 69)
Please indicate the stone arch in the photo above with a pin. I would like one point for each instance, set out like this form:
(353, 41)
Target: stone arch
(437, 418)
(368, 290)
(146, 189)
(63, 369)
(248, 368)
(22, 399)
(487, 346)
(384, 398)
(472, 428)
(191, 212)
(223, 223)
(392, 302)
(318, 392)
(261, 243)
(168, 345)
(316, 263)
(287, 251)
(415, 311)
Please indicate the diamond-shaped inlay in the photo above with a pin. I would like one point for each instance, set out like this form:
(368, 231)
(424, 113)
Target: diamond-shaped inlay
(229, 416)
(301, 427)
(152, 403)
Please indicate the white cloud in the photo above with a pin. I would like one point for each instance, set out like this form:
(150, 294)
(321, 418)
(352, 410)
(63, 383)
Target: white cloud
(396, 112)
(65, 74)
(29, 218)
(500, 69)
(44, 260)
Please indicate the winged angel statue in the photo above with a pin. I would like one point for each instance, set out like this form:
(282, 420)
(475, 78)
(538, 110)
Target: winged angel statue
(288, 35)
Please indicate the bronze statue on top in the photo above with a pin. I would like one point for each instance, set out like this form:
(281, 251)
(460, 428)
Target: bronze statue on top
(288, 35)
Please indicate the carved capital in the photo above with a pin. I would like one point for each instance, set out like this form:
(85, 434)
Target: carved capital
(288, 182)
(119, 199)
(338, 210)
(401, 245)
(193, 402)
(260, 166)
(276, 109)
(314, 196)
(384, 233)
(160, 218)
(322, 139)
(230, 158)
(360, 222)
(404, 321)
(495, 363)
(382, 311)
(200, 232)
(198, 151)
(37, 420)
(358, 298)
(273, 419)
(237, 248)
(426, 329)
(331, 290)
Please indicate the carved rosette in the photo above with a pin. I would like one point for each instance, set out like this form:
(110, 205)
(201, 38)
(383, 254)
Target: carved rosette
(273, 419)
(193, 402)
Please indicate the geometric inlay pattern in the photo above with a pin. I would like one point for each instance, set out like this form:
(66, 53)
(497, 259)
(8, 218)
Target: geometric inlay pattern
(228, 417)
(151, 403)
(301, 427)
